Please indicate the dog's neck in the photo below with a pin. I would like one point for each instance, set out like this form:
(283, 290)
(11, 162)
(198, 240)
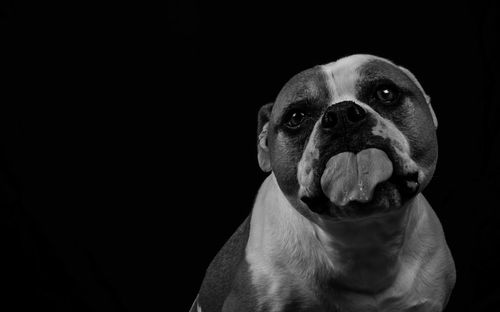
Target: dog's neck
(285, 247)
(366, 254)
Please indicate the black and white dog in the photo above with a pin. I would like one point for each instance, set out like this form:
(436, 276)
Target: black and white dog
(340, 224)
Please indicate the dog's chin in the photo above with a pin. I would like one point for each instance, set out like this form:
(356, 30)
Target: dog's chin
(388, 196)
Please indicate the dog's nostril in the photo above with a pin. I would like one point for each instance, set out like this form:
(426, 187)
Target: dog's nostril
(343, 115)
(355, 113)
(330, 119)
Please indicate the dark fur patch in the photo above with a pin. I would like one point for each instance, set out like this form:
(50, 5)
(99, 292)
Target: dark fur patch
(411, 115)
(221, 273)
(309, 92)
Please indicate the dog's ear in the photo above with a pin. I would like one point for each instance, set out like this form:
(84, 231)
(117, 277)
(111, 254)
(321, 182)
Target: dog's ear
(262, 128)
(427, 98)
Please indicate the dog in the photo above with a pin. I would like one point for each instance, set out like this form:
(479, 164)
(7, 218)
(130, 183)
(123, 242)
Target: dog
(340, 223)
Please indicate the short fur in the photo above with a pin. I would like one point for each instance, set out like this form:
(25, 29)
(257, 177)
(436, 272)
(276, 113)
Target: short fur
(291, 255)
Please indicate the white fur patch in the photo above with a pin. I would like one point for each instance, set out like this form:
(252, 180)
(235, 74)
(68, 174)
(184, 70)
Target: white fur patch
(386, 129)
(305, 173)
(264, 276)
(277, 229)
(341, 82)
(342, 75)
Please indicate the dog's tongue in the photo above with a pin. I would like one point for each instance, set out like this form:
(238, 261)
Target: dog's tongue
(353, 177)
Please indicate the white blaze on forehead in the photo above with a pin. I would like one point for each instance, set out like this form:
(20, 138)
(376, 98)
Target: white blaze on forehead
(342, 76)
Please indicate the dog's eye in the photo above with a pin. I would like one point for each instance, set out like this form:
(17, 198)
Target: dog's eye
(387, 94)
(295, 120)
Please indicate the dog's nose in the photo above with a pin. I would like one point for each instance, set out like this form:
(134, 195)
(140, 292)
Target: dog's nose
(345, 115)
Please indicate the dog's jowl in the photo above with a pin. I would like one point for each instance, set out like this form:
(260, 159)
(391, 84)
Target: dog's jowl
(340, 223)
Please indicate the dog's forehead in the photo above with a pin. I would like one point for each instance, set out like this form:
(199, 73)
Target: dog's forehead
(308, 83)
(343, 75)
(347, 75)
(342, 78)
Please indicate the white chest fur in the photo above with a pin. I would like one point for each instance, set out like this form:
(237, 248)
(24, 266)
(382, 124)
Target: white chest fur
(285, 250)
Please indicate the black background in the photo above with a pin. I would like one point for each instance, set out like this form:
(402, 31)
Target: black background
(127, 136)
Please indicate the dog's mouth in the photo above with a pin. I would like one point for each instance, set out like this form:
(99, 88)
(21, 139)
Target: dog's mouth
(361, 184)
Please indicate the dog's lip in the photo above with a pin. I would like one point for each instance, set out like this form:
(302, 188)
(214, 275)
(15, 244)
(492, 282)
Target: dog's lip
(405, 183)
(354, 210)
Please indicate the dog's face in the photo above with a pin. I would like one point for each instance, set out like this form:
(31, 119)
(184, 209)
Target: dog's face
(349, 139)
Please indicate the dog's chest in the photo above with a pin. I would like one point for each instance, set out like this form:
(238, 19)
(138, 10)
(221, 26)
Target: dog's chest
(331, 301)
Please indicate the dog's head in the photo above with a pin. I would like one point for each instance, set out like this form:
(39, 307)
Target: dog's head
(352, 138)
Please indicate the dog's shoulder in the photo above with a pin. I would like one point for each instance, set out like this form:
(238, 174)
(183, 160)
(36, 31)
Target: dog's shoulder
(219, 277)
